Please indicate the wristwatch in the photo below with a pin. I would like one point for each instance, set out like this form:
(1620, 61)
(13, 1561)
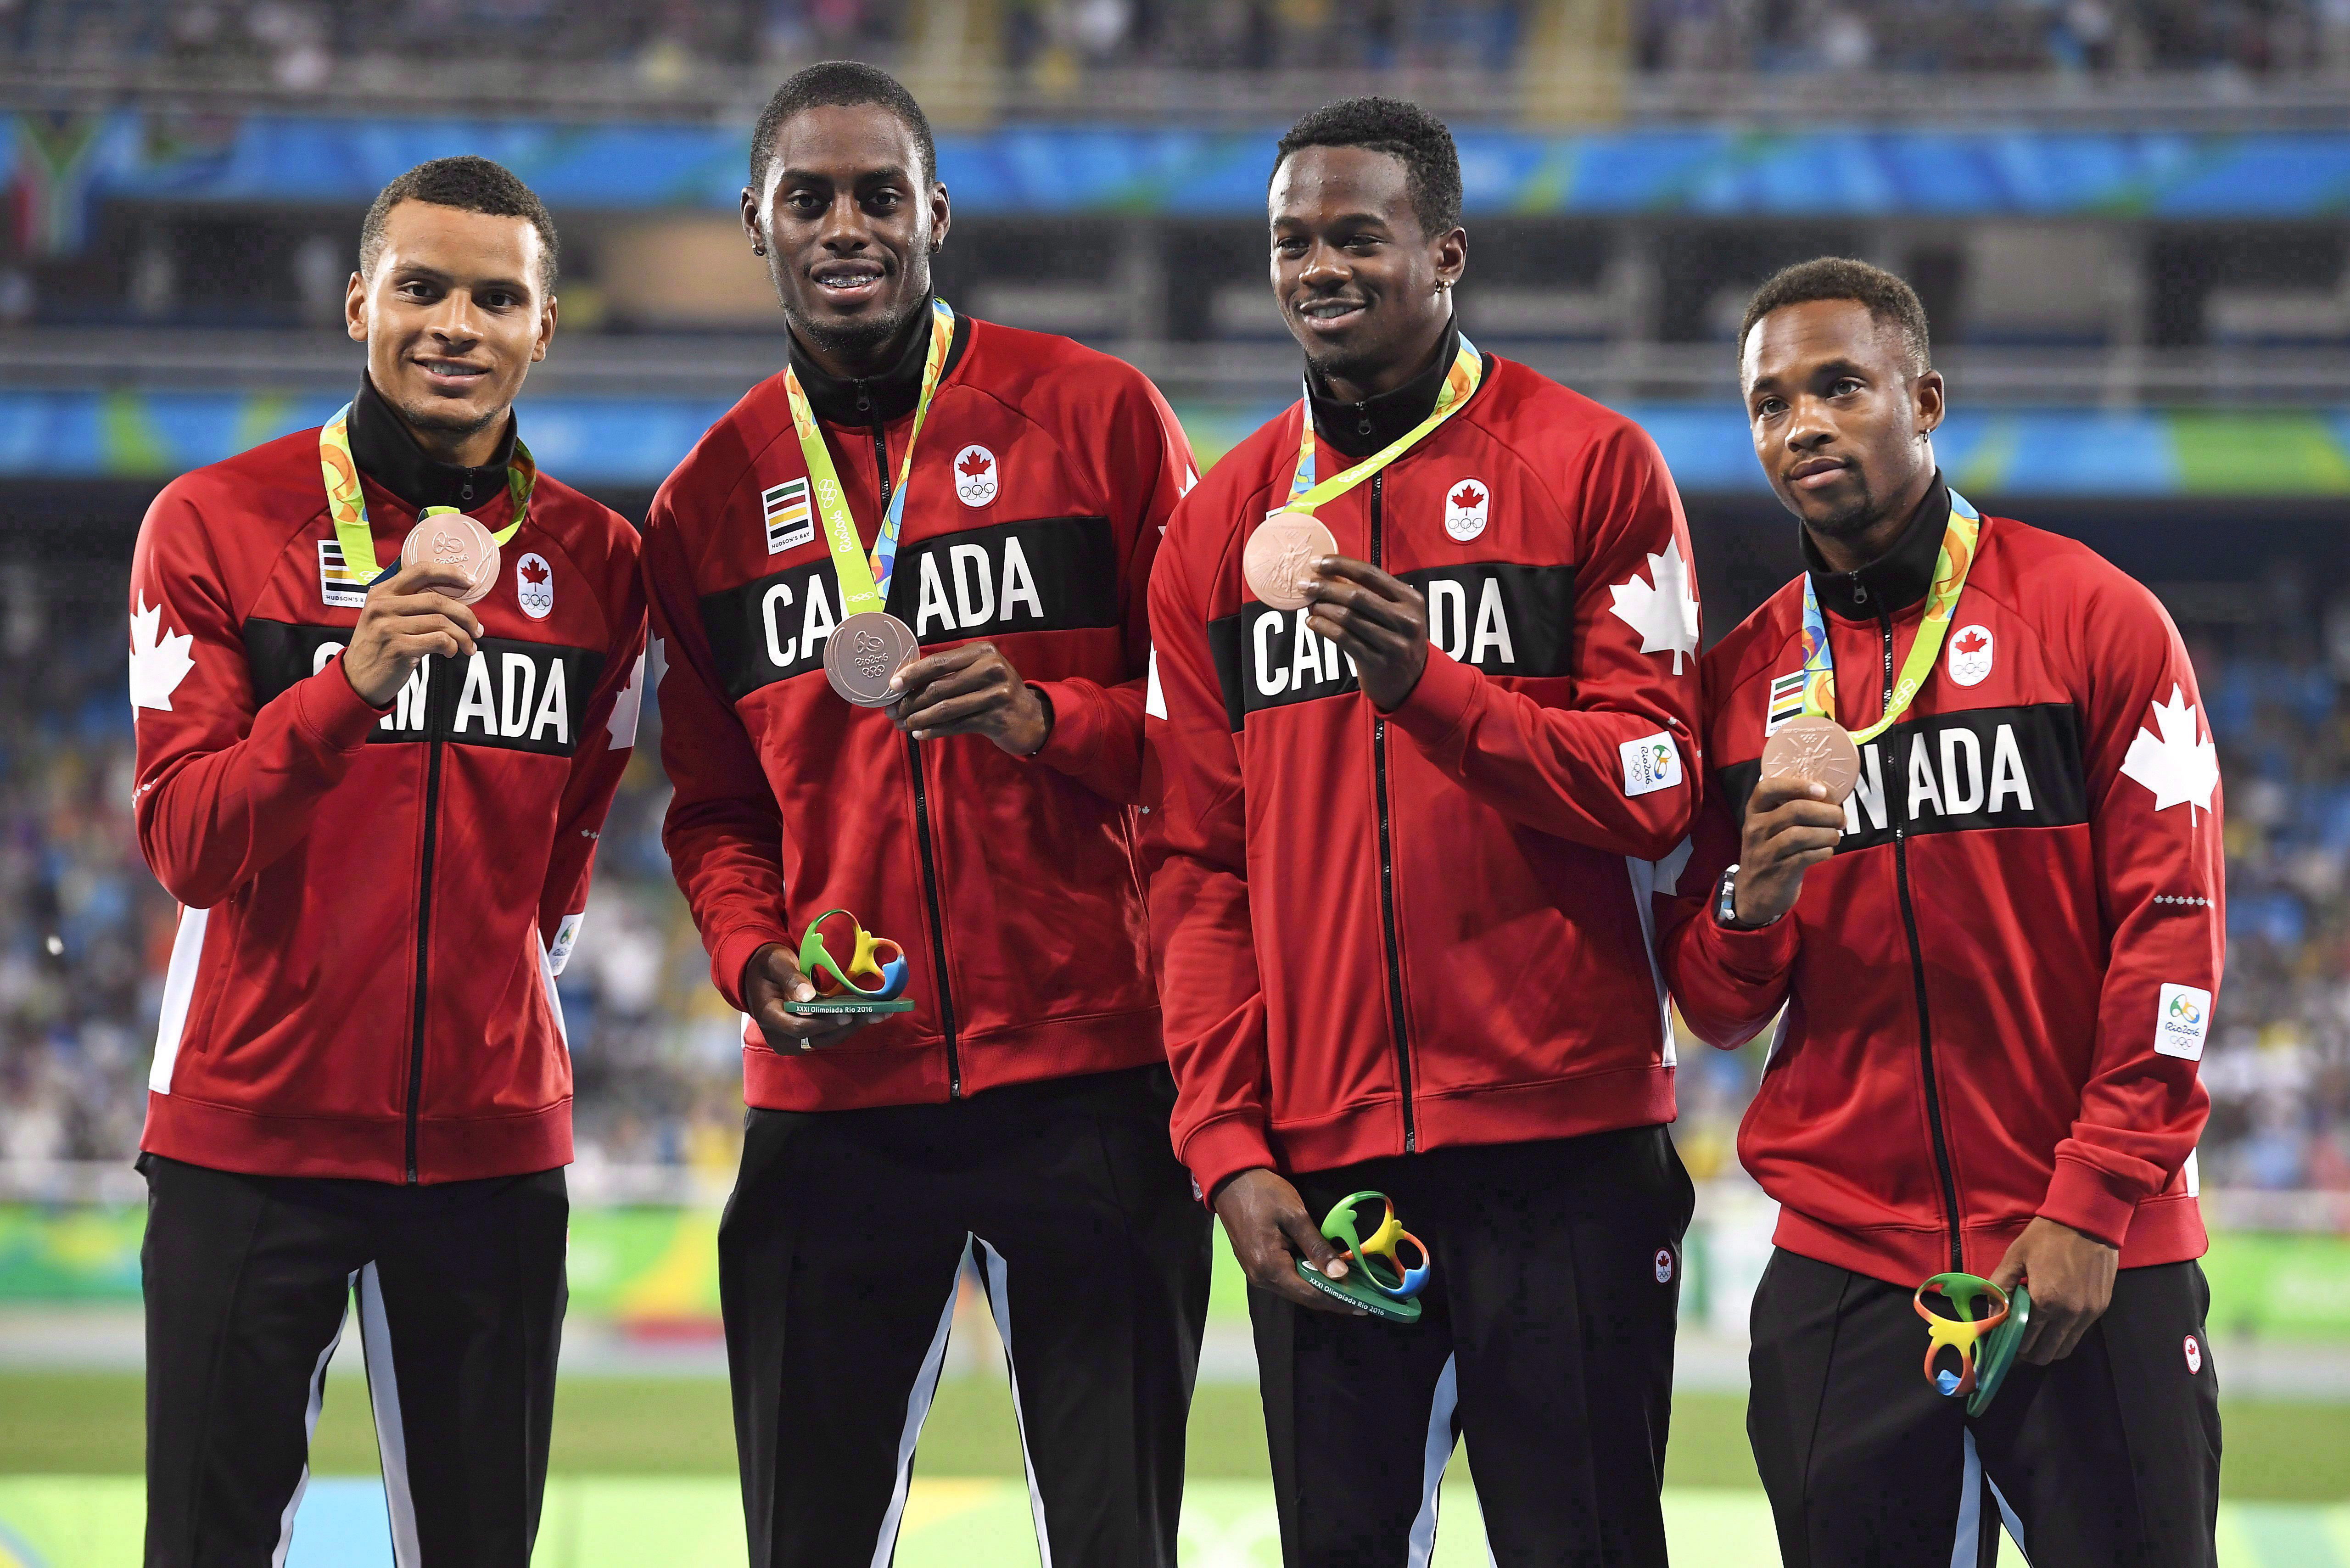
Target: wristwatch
(1725, 906)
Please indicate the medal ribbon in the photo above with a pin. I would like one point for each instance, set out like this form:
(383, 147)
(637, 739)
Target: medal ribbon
(347, 502)
(1950, 567)
(865, 583)
(1305, 495)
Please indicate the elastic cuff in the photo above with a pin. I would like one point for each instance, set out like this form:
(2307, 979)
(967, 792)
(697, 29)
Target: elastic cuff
(1074, 708)
(1224, 1147)
(1758, 956)
(2092, 1200)
(335, 716)
(733, 951)
(1433, 710)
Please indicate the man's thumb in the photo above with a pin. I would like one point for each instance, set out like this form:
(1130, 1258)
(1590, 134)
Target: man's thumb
(1315, 1248)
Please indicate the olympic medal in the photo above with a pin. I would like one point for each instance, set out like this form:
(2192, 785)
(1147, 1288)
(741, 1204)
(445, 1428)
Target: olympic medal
(1280, 558)
(452, 542)
(1816, 749)
(863, 652)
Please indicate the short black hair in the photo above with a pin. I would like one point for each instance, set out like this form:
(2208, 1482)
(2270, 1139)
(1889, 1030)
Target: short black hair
(1887, 297)
(1404, 131)
(470, 184)
(844, 84)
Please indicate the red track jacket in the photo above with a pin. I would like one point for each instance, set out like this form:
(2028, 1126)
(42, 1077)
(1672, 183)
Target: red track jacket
(374, 901)
(1997, 992)
(1378, 934)
(1043, 480)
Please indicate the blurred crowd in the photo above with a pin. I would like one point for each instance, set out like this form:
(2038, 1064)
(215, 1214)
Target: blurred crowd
(2260, 36)
(299, 43)
(84, 933)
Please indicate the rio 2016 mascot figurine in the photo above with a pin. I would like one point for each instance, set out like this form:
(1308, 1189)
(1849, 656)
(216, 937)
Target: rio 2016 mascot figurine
(1379, 1282)
(872, 980)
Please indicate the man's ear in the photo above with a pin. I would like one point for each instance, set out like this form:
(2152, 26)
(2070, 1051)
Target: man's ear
(546, 329)
(1452, 255)
(355, 310)
(1925, 399)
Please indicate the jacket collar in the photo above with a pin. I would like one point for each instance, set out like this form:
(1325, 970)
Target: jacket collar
(387, 454)
(877, 399)
(1895, 580)
(1358, 430)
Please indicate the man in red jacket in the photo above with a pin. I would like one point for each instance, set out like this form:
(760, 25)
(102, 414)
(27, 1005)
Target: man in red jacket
(375, 790)
(1994, 968)
(995, 496)
(1401, 883)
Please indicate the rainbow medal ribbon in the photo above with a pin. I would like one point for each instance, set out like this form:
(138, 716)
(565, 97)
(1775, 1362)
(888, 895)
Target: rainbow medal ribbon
(347, 502)
(1983, 1341)
(1278, 559)
(873, 980)
(1306, 497)
(1381, 1283)
(1950, 568)
(869, 646)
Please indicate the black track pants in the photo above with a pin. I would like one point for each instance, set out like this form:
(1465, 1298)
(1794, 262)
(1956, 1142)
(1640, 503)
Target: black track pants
(1546, 1340)
(461, 1296)
(838, 1261)
(2109, 1457)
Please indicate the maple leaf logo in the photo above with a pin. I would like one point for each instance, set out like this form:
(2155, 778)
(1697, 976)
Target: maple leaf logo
(531, 572)
(626, 707)
(975, 464)
(159, 659)
(1467, 496)
(2181, 767)
(1972, 641)
(1662, 611)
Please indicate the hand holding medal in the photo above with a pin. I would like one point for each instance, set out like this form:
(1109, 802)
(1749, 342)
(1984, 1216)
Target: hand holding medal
(1378, 621)
(448, 561)
(1811, 764)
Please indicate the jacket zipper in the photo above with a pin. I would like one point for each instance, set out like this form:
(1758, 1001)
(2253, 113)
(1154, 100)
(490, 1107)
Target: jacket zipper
(1949, 1185)
(921, 808)
(423, 946)
(1386, 873)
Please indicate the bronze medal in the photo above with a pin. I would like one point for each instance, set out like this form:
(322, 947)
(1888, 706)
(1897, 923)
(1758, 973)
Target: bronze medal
(863, 652)
(1816, 749)
(452, 542)
(1280, 558)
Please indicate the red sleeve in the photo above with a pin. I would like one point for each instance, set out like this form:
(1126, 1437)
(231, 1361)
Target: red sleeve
(1210, 1000)
(1591, 769)
(724, 832)
(608, 737)
(223, 790)
(1727, 984)
(1096, 734)
(2155, 821)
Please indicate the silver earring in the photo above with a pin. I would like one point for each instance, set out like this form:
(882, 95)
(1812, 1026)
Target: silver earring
(758, 250)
